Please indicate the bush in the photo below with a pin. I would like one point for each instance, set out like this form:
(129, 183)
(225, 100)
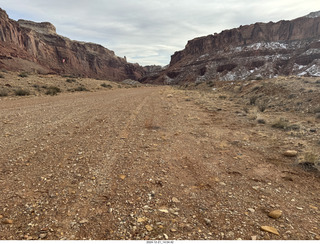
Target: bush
(253, 100)
(81, 88)
(23, 74)
(71, 80)
(53, 90)
(3, 93)
(21, 92)
(106, 85)
(281, 124)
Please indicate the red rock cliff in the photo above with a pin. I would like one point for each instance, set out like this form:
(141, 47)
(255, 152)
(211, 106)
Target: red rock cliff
(257, 50)
(26, 45)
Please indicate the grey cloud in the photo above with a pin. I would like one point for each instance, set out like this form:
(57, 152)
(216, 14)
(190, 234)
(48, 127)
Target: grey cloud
(150, 31)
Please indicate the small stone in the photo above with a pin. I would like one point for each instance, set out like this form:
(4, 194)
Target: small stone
(169, 95)
(275, 214)
(1, 216)
(140, 220)
(43, 235)
(251, 210)
(290, 153)
(122, 177)
(222, 183)
(270, 230)
(149, 228)
(7, 221)
(175, 200)
(173, 230)
(166, 236)
(208, 221)
(164, 210)
(254, 238)
(84, 221)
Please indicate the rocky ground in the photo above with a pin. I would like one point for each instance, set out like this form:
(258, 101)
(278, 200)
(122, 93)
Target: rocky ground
(222, 161)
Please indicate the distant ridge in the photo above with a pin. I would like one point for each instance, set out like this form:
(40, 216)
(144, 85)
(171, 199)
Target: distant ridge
(260, 50)
(30, 46)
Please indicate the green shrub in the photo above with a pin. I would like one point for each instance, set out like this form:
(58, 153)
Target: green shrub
(23, 74)
(3, 93)
(81, 88)
(53, 90)
(281, 124)
(106, 85)
(21, 92)
(71, 80)
(253, 100)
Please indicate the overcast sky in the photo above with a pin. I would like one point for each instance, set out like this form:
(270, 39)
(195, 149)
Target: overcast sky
(150, 31)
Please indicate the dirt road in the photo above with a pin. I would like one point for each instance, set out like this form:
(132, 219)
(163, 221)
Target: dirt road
(147, 163)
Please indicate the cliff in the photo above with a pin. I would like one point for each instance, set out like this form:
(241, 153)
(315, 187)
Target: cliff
(258, 50)
(26, 45)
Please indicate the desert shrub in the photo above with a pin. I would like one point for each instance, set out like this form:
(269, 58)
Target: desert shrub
(53, 90)
(23, 74)
(284, 124)
(317, 110)
(310, 157)
(263, 106)
(253, 100)
(106, 85)
(294, 127)
(3, 93)
(21, 92)
(281, 124)
(261, 121)
(71, 80)
(81, 88)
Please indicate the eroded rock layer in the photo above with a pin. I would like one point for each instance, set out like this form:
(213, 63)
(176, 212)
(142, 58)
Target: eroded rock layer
(248, 52)
(30, 46)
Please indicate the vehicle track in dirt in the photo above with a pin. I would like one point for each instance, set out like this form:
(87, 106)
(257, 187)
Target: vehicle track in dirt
(146, 163)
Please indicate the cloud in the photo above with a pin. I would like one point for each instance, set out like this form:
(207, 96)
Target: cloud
(150, 31)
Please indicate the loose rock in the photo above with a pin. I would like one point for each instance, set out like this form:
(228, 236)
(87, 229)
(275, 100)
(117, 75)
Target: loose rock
(43, 235)
(122, 177)
(270, 230)
(7, 221)
(175, 200)
(290, 153)
(149, 228)
(276, 214)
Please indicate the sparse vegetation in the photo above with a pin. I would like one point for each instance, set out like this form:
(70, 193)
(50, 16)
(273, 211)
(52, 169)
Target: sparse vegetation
(71, 80)
(106, 85)
(263, 105)
(23, 74)
(3, 93)
(284, 124)
(81, 88)
(281, 124)
(253, 100)
(310, 157)
(53, 90)
(22, 92)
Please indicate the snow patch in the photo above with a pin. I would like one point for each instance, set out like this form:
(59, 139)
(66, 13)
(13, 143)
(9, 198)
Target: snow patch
(313, 15)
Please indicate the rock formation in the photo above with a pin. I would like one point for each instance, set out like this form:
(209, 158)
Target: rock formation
(30, 46)
(259, 50)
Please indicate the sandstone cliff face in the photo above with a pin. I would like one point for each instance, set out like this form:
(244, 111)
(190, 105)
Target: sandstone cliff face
(26, 45)
(251, 51)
